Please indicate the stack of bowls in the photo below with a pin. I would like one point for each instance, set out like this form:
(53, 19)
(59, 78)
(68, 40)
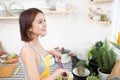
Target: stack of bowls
(15, 8)
(3, 9)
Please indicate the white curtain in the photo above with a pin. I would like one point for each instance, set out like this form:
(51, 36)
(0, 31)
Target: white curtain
(116, 20)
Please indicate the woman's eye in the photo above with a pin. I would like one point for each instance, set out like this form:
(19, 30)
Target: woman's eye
(40, 21)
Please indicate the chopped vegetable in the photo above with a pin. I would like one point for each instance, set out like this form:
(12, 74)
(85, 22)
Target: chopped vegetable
(17, 70)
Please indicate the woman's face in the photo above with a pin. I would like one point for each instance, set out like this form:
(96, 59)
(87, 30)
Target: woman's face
(39, 25)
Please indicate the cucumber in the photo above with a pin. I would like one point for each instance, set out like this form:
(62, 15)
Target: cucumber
(17, 70)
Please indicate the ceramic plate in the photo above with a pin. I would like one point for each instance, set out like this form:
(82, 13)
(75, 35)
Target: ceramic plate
(87, 72)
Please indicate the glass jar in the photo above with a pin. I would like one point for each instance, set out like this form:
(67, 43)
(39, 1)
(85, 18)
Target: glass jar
(104, 15)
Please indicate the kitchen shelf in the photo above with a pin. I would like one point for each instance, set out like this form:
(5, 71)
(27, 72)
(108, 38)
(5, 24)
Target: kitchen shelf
(46, 12)
(102, 22)
(58, 12)
(100, 1)
(9, 17)
(96, 14)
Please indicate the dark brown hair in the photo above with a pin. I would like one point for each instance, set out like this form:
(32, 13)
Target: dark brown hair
(25, 21)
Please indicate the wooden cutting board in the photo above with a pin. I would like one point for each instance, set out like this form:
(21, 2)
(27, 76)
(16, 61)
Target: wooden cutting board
(116, 70)
(7, 70)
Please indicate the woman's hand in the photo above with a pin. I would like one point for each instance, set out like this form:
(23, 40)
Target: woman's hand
(57, 74)
(60, 72)
(56, 53)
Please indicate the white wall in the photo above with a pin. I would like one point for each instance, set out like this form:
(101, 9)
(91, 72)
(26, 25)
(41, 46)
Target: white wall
(73, 31)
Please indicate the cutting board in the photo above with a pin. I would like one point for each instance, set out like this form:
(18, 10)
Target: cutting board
(7, 70)
(116, 70)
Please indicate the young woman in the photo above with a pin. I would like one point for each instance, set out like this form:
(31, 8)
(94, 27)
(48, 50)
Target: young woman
(32, 26)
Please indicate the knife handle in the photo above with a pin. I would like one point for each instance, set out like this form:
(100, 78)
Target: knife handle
(60, 65)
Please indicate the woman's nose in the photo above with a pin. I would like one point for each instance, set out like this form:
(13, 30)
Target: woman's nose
(44, 24)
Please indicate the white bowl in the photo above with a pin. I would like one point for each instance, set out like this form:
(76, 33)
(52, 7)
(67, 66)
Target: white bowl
(16, 12)
(3, 9)
(87, 72)
(15, 8)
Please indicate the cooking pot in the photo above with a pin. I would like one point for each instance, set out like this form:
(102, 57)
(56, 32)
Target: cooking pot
(66, 56)
(66, 51)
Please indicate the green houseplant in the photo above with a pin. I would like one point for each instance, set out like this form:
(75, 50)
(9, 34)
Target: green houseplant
(93, 52)
(103, 56)
(106, 58)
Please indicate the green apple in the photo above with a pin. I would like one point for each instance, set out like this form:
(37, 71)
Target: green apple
(13, 55)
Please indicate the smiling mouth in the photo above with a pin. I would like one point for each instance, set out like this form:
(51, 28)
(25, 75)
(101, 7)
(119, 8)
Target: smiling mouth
(44, 30)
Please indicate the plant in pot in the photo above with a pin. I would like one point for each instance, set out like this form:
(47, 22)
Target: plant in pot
(93, 52)
(106, 60)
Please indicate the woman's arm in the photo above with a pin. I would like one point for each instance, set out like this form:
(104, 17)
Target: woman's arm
(28, 57)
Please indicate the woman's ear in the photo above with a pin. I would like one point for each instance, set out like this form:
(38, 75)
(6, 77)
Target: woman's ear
(30, 30)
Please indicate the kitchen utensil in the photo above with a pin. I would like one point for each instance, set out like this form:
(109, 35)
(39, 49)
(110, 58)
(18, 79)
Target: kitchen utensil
(60, 65)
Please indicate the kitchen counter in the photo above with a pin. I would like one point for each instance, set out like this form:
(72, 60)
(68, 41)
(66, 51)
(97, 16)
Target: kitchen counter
(21, 75)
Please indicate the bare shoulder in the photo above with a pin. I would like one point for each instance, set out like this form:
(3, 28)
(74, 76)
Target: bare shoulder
(27, 53)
